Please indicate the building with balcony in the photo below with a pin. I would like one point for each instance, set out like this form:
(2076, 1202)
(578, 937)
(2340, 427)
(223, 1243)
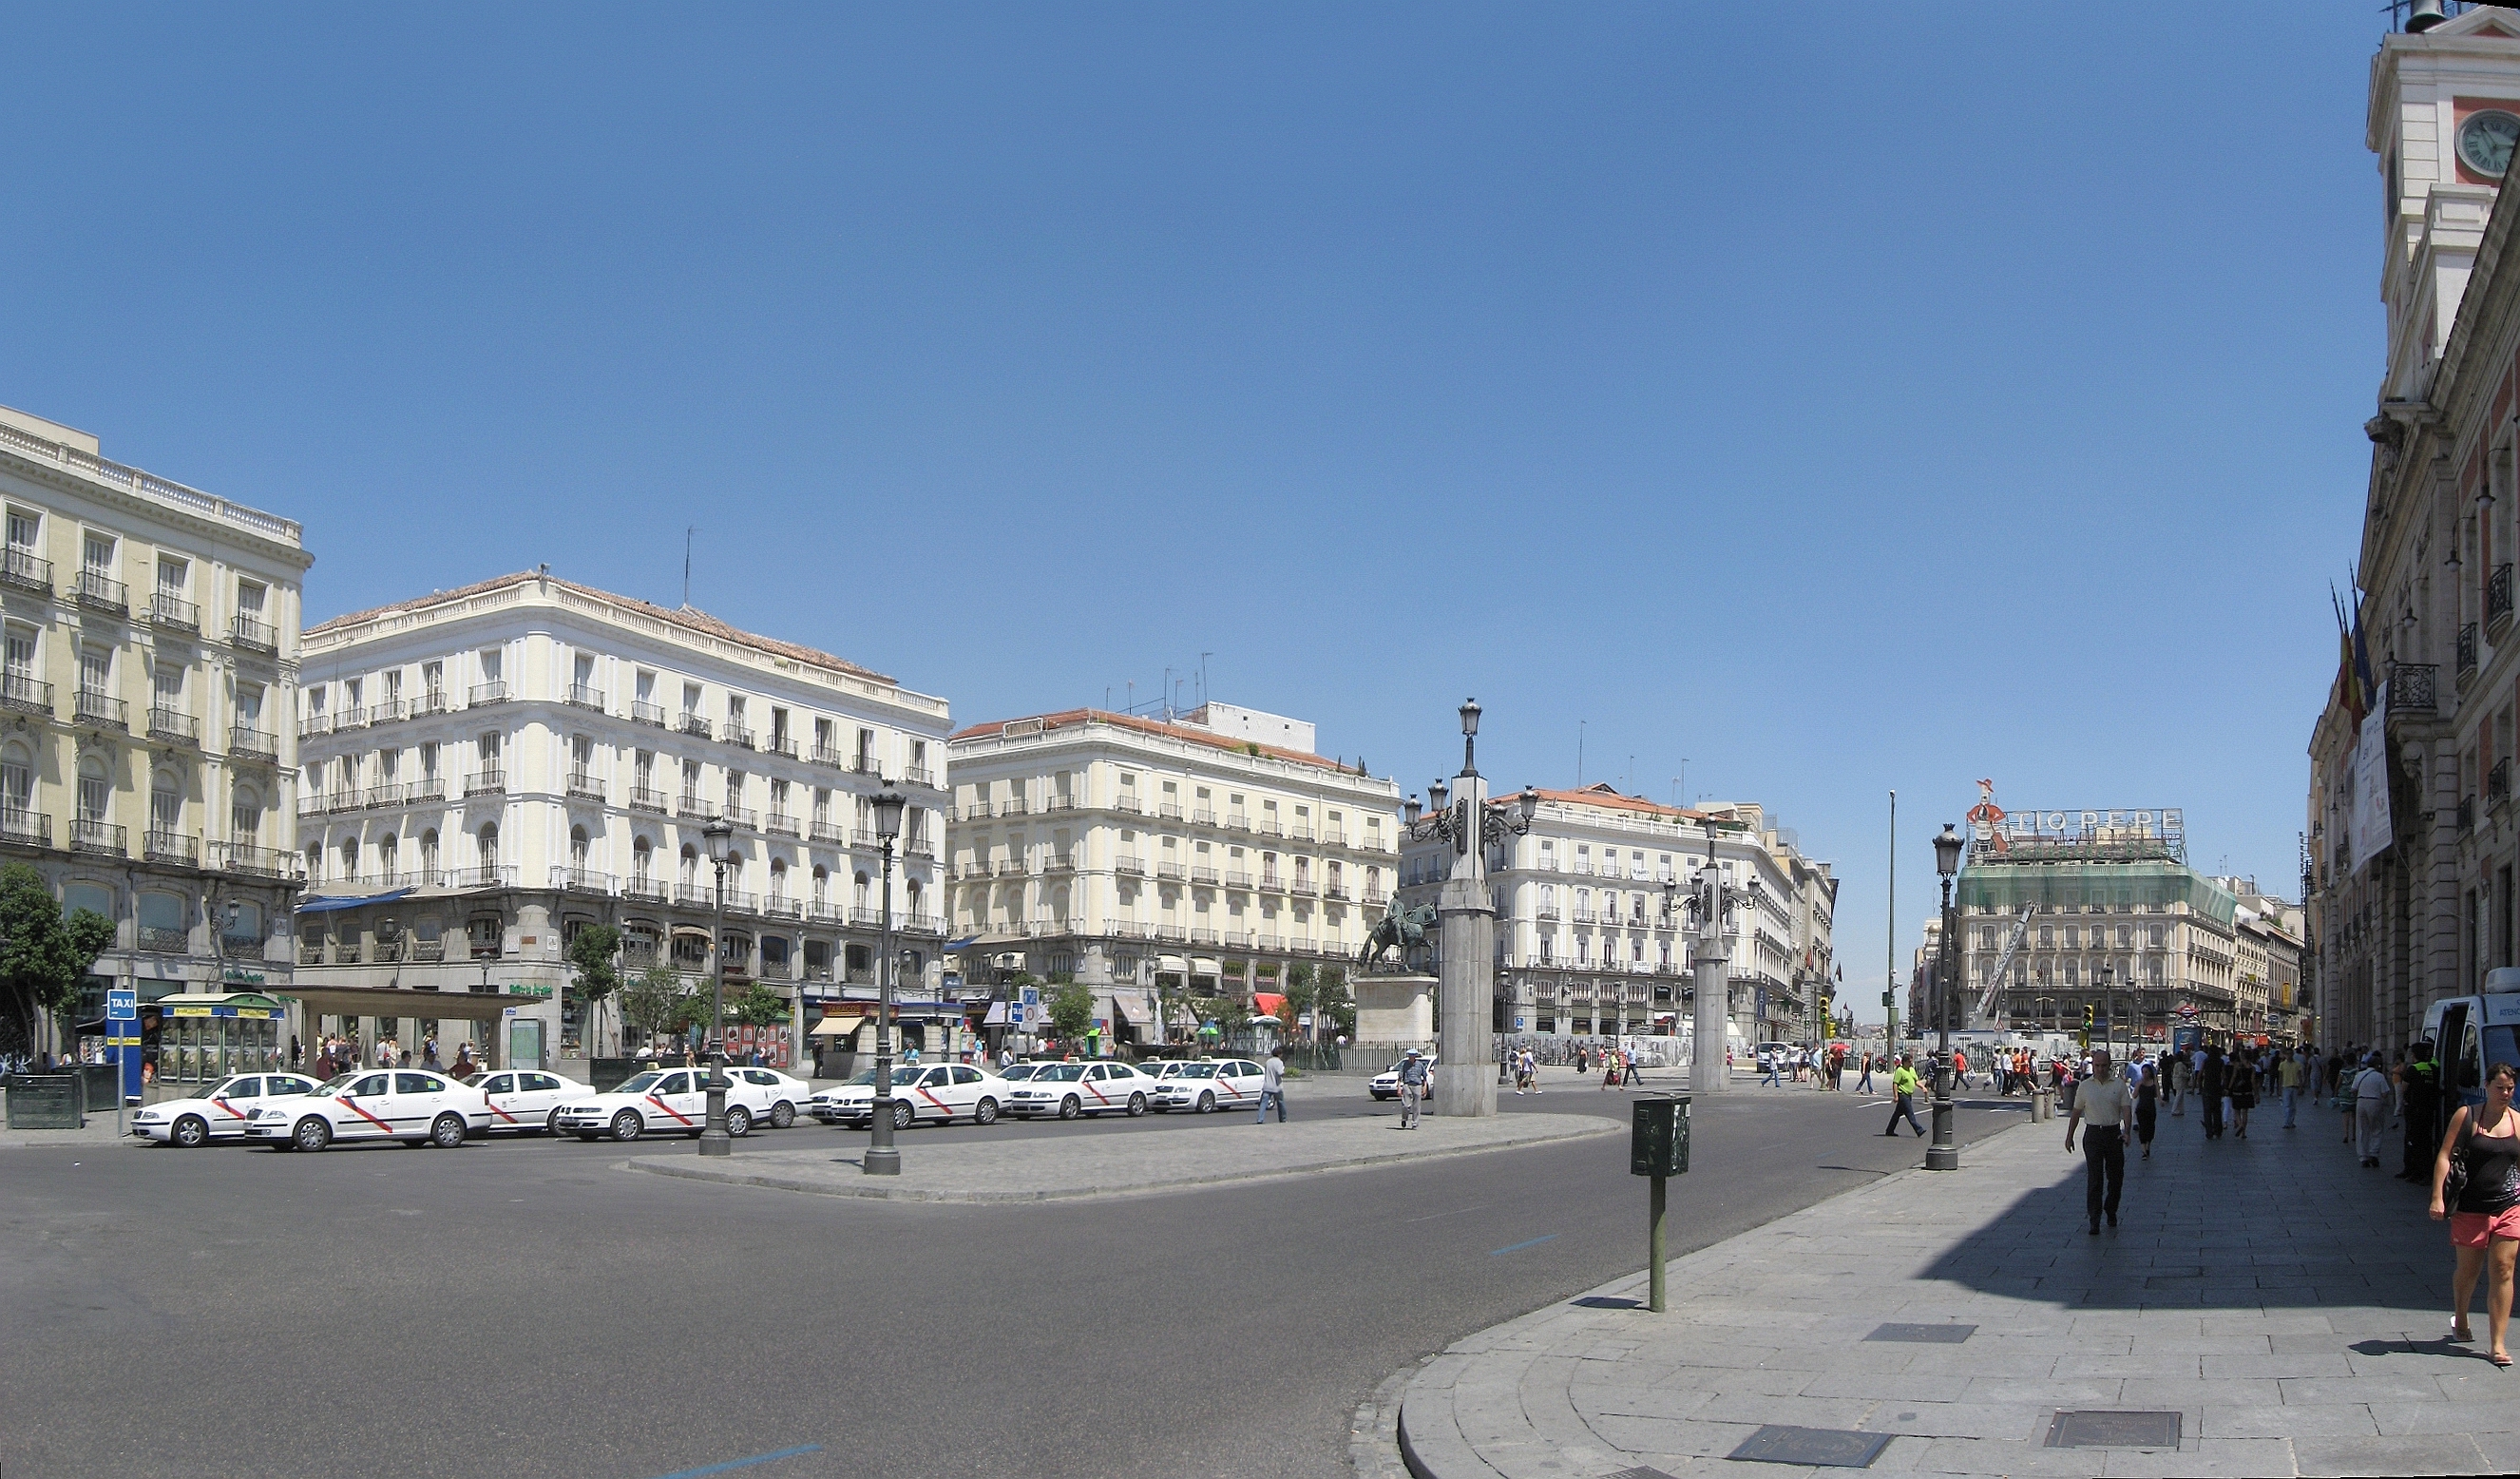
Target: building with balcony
(489, 770)
(146, 633)
(1590, 905)
(2108, 912)
(2412, 899)
(1205, 856)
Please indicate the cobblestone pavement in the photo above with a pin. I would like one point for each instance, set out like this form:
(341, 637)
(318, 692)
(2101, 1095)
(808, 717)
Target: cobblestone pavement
(2289, 1306)
(1221, 1147)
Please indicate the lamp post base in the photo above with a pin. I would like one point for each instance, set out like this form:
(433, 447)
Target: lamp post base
(883, 1159)
(1944, 1154)
(714, 1140)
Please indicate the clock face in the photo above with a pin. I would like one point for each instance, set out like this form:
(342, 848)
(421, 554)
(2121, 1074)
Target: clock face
(2485, 142)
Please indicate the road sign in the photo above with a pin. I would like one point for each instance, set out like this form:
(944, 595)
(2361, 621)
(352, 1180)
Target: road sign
(121, 1006)
(2188, 1011)
(1032, 996)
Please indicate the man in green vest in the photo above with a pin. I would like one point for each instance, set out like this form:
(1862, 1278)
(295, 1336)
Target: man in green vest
(1903, 1090)
(2419, 1093)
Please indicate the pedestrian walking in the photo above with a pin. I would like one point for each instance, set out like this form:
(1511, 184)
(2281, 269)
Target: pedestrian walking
(2477, 1171)
(2243, 1093)
(1773, 1059)
(1863, 1085)
(1903, 1095)
(2291, 1075)
(464, 1066)
(1627, 1068)
(2370, 1110)
(2180, 1076)
(2420, 1098)
(2104, 1102)
(1273, 1087)
(1412, 1088)
(429, 1051)
(2148, 1101)
(2210, 1083)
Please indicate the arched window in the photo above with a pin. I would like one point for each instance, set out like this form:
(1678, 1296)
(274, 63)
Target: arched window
(577, 849)
(779, 880)
(643, 861)
(690, 866)
(822, 885)
(244, 814)
(18, 778)
(314, 861)
(95, 793)
(858, 897)
(486, 849)
(350, 857)
(165, 809)
(390, 858)
(1548, 901)
(428, 857)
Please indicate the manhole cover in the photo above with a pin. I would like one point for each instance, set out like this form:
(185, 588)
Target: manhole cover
(2115, 1430)
(1608, 1302)
(1834, 1448)
(1641, 1472)
(1925, 1335)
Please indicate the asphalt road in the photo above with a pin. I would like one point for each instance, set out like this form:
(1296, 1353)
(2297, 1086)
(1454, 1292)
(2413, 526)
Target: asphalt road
(520, 1308)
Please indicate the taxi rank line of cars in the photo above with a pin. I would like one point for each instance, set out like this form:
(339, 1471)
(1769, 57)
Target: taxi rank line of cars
(291, 1111)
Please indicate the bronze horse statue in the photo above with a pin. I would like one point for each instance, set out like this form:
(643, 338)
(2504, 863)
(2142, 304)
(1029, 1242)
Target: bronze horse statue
(1400, 930)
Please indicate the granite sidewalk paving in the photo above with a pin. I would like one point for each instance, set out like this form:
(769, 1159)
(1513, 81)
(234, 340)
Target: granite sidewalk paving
(1207, 1150)
(2288, 1306)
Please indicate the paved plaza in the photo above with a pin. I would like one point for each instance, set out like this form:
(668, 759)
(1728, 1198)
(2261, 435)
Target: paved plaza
(2290, 1307)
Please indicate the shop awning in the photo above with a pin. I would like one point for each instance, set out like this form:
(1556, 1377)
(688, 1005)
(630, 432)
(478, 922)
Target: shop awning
(996, 1016)
(838, 1025)
(1203, 965)
(1267, 1004)
(324, 906)
(1172, 964)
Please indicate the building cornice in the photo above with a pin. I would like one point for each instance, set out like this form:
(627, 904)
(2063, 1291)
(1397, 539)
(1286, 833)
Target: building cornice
(146, 494)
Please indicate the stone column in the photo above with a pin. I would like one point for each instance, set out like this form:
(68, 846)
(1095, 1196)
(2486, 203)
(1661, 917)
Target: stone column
(1466, 1048)
(1707, 1073)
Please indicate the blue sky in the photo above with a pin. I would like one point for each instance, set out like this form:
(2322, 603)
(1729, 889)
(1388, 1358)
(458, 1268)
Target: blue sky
(1840, 398)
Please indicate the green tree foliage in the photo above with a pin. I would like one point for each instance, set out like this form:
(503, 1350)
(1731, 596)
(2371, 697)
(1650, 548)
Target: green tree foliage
(756, 1005)
(1071, 1011)
(1334, 1004)
(43, 955)
(658, 1002)
(592, 971)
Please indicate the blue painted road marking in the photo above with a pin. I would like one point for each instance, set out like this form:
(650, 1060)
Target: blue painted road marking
(1517, 1247)
(744, 1463)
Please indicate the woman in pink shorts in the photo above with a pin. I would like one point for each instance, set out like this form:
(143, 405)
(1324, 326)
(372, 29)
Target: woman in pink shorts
(2485, 1225)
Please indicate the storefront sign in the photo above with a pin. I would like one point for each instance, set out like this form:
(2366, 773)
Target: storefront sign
(522, 988)
(244, 977)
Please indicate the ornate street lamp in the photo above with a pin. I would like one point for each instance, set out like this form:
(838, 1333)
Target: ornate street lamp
(1944, 1154)
(882, 1158)
(714, 1141)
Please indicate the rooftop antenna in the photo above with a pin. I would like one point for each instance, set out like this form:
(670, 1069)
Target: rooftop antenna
(688, 532)
(1578, 755)
(1203, 677)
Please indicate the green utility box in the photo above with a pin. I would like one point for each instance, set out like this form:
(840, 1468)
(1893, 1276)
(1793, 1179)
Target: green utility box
(1658, 1136)
(44, 1101)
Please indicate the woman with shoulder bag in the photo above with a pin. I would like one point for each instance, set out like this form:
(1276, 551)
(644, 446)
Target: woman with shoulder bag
(2476, 1176)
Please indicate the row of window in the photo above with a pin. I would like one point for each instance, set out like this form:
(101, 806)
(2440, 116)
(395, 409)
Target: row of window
(100, 564)
(2068, 936)
(347, 860)
(93, 795)
(361, 702)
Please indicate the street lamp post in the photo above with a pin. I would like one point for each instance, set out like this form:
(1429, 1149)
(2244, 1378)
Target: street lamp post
(1944, 1154)
(714, 1141)
(1461, 816)
(882, 1157)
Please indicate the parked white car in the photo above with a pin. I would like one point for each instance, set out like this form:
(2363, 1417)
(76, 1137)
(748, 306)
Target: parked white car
(216, 1113)
(662, 1101)
(787, 1093)
(412, 1105)
(1071, 1090)
(522, 1099)
(1205, 1087)
(1387, 1084)
(939, 1092)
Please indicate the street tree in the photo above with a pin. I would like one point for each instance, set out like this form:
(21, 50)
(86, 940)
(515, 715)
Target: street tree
(594, 974)
(659, 1003)
(1071, 1010)
(756, 1005)
(43, 954)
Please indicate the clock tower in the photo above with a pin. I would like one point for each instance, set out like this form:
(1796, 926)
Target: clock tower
(2445, 118)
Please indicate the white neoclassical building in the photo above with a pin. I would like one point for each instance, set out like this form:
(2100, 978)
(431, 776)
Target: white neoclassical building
(1209, 853)
(1589, 938)
(489, 770)
(148, 652)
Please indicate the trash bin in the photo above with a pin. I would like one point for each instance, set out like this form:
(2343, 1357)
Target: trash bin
(44, 1101)
(2065, 1100)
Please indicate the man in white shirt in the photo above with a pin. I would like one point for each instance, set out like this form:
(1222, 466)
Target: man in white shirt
(2105, 1100)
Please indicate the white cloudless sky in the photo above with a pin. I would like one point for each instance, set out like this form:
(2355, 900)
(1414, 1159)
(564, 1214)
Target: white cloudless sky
(1827, 397)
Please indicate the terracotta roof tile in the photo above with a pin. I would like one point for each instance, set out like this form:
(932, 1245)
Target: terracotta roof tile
(687, 618)
(1190, 732)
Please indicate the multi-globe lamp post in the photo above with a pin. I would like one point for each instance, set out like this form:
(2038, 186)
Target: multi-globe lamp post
(882, 1157)
(1462, 816)
(1944, 1154)
(714, 1140)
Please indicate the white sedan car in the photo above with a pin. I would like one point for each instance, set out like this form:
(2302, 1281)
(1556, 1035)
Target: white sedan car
(1071, 1090)
(1387, 1084)
(940, 1092)
(217, 1113)
(520, 1099)
(414, 1106)
(1205, 1087)
(662, 1101)
(787, 1093)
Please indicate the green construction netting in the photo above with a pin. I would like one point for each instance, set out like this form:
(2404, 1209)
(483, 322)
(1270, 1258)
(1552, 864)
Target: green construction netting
(2004, 888)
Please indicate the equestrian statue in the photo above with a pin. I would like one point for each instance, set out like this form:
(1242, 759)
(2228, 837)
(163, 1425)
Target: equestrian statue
(1402, 930)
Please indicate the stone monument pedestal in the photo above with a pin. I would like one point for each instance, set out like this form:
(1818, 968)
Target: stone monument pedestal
(1394, 1012)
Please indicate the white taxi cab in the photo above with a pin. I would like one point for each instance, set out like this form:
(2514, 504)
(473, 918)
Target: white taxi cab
(939, 1092)
(522, 1099)
(217, 1113)
(1071, 1090)
(1205, 1087)
(414, 1106)
(786, 1091)
(661, 1101)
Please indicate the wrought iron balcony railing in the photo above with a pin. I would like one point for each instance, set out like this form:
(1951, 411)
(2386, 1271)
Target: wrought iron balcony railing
(170, 609)
(90, 833)
(96, 590)
(2497, 594)
(27, 829)
(260, 636)
(580, 696)
(2410, 687)
(170, 846)
(94, 707)
(21, 569)
(24, 695)
(245, 742)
